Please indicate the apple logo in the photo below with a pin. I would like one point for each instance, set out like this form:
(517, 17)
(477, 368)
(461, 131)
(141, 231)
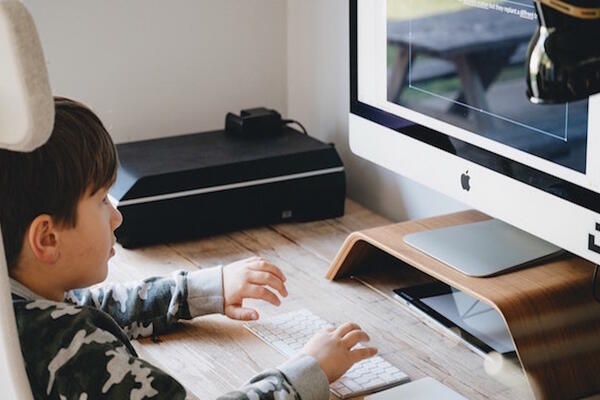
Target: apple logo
(464, 181)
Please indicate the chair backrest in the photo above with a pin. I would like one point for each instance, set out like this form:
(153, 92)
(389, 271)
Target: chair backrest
(26, 104)
(26, 120)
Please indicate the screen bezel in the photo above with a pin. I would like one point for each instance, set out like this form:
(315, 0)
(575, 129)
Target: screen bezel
(530, 176)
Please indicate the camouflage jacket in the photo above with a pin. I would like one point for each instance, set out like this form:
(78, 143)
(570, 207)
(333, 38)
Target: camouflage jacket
(80, 348)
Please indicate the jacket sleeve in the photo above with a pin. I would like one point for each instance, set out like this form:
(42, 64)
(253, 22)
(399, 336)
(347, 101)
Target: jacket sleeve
(151, 306)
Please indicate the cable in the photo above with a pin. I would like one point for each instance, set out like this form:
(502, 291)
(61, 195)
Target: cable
(595, 285)
(293, 121)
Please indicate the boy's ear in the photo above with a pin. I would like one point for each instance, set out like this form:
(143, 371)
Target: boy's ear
(42, 237)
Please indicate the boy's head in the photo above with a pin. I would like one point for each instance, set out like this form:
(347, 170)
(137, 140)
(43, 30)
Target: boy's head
(49, 197)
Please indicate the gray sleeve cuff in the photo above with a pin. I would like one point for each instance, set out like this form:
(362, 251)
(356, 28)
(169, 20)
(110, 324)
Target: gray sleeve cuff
(205, 291)
(305, 375)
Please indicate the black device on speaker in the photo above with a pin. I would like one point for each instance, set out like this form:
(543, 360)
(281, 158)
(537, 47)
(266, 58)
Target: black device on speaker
(254, 122)
(192, 185)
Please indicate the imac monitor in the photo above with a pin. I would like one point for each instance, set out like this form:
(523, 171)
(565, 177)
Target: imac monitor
(438, 94)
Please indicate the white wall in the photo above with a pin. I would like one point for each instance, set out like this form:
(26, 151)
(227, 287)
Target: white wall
(318, 95)
(154, 68)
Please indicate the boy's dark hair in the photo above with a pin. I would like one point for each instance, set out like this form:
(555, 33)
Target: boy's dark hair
(79, 156)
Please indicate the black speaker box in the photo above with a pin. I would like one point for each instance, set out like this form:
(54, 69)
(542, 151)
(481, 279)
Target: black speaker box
(187, 186)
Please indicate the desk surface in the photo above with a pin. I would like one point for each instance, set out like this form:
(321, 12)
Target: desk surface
(213, 355)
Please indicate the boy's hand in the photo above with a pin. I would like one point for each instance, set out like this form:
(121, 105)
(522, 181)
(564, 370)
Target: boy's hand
(333, 349)
(250, 278)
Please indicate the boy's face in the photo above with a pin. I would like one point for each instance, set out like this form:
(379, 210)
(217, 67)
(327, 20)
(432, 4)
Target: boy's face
(86, 248)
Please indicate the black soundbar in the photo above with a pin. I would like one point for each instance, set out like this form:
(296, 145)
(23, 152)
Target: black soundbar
(194, 185)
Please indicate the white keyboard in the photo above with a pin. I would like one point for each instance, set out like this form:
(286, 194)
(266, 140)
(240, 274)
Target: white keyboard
(288, 333)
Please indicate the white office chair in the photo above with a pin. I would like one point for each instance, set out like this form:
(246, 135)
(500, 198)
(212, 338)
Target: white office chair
(26, 120)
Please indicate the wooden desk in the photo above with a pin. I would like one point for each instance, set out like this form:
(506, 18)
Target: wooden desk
(213, 355)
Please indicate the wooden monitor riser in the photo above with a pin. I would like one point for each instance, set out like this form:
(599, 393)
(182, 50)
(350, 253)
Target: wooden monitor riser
(549, 309)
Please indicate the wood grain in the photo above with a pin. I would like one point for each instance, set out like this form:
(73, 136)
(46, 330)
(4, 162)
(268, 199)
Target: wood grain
(212, 355)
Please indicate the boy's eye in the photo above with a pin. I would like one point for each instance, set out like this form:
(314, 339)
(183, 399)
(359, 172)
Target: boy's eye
(105, 199)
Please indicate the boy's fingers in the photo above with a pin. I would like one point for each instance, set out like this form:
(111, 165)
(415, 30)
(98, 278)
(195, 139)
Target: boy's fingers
(346, 328)
(242, 314)
(357, 355)
(262, 293)
(266, 266)
(354, 337)
(266, 278)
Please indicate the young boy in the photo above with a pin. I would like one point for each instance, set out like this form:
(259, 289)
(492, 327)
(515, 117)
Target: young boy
(57, 227)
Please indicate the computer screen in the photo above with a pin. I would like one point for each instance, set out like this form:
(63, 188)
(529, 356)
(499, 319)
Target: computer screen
(438, 94)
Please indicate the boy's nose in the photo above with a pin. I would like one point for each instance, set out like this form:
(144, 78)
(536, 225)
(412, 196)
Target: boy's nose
(117, 218)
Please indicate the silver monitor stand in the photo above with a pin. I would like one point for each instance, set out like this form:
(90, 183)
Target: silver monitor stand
(482, 248)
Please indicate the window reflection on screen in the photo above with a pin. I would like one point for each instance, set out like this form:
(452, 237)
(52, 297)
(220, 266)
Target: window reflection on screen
(463, 62)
